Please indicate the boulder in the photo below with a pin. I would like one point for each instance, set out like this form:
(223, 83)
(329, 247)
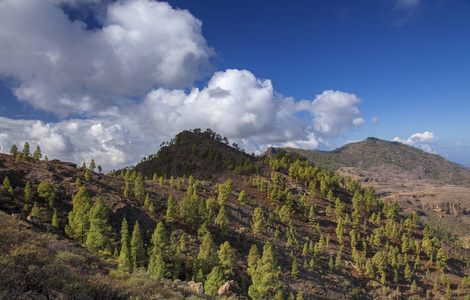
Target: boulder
(197, 287)
(228, 288)
(32, 295)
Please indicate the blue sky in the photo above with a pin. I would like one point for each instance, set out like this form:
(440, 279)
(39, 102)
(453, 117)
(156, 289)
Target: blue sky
(113, 80)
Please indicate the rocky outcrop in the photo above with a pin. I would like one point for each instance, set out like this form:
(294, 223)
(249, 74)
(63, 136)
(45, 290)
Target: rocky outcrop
(229, 288)
(446, 207)
(197, 287)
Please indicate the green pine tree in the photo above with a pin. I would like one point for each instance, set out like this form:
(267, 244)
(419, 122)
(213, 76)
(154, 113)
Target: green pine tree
(55, 220)
(137, 247)
(46, 190)
(37, 154)
(35, 211)
(227, 258)
(139, 190)
(265, 276)
(78, 218)
(222, 220)
(243, 198)
(258, 221)
(125, 254)
(99, 235)
(215, 279)
(207, 256)
(6, 183)
(295, 268)
(14, 150)
(26, 153)
(253, 258)
(28, 193)
(92, 165)
(171, 210)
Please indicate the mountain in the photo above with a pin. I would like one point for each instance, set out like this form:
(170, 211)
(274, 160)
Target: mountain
(426, 183)
(375, 154)
(244, 227)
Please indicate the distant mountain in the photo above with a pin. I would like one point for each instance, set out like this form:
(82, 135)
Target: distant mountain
(374, 153)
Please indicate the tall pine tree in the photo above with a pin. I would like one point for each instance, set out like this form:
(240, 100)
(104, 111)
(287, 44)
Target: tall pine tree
(137, 247)
(125, 254)
(78, 218)
(99, 235)
(265, 277)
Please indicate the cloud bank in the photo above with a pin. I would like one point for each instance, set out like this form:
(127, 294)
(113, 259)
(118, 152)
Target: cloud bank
(125, 87)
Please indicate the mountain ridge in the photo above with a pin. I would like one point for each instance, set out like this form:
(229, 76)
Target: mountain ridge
(374, 152)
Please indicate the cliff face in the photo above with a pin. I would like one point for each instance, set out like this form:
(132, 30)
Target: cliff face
(446, 207)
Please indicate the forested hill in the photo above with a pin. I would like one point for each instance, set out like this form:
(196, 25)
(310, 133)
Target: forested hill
(374, 152)
(272, 227)
(201, 154)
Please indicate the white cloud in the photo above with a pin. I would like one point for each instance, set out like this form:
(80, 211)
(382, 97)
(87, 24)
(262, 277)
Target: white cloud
(420, 140)
(62, 67)
(334, 111)
(375, 120)
(125, 80)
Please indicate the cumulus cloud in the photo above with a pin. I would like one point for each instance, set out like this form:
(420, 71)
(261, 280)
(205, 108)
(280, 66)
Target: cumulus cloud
(333, 111)
(62, 67)
(130, 81)
(420, 140)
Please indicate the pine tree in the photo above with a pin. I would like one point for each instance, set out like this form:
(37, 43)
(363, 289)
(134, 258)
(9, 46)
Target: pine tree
(92, 165)
(26, 152)
(172, 181)
(171, 210)
(28, 193)
(78, 182)
(215, 279)
(78, 218)
(55, 220)
(157, 266)
(258, 221)
(137, 247)
(265, 276)
(125, 255)
(253, 258)
(222, 220)
(179, 184)
(151, 208)
(407, 273)
(300, 296)
(100, 169)
(99, 235)
(139, 189)
(35, 211)
(243, 198)
(161, 181)
(227, 258)
(147, 200)
(46, 190)
(14, 150)
(311, 215)
(6, 183)
(295, 268)
(87, 175)
(413, 287)
(37, 154)
(207, 256)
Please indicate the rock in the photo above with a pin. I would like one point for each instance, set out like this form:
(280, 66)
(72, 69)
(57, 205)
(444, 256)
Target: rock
(34, 219)
(32, 295)
(54, 295)
(229, 288)
(197, 287)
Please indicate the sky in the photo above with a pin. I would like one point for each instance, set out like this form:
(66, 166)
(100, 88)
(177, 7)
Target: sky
(111, 80)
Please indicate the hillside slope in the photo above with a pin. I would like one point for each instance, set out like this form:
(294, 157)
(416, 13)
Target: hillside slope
(282, 230)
